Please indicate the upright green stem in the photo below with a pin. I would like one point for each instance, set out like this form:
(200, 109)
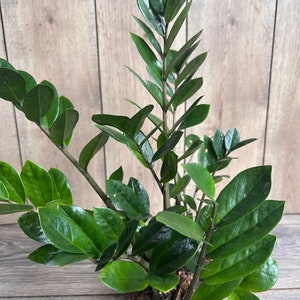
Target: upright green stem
(85, 173)
(201, 260)
(166, 186)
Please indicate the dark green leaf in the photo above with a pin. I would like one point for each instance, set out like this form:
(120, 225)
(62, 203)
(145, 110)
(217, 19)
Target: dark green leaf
(51, 256)
(125, 199)
(30, 81)
(239, 264)
(263, 278)
(37, 183)
(5, 64)
(228, 239)
(202, 178)
(232, 139)
(172, 8)
(110, 222)
(207, 156)
(30, 224)
(195, 117)
(184, 225)
(190, 201)
(190, 139)
(158, 6)
(126, 237)
(38, 102)
(218, 143)
(12, 182)
(176, 27)
(117, 175)
(191, 150)
(163, 283)
(124, 276)
(191, 68)
(92, 147)
(169, 167)
(215, 291)
(180, 185)
(106, 257)
(242, 143)
(118, 122)
(243, 194)
(8, 208)
(147, 54)
(186, 92)
(61, 187)
(12, 86)
(151, 16)
(63, 127)
(64, 104)
(168, 146)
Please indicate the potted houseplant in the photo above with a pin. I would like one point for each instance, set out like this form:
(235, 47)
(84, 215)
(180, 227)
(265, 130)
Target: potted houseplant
(205, 243)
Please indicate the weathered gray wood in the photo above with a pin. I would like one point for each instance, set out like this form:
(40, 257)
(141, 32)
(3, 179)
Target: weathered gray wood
(22, 278)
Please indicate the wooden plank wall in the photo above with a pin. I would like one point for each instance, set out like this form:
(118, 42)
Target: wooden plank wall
(250, 79)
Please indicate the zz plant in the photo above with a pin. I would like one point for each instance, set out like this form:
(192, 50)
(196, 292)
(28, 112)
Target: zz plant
(204, 244)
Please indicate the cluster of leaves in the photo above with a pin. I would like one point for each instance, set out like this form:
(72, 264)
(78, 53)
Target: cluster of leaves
(222, 239)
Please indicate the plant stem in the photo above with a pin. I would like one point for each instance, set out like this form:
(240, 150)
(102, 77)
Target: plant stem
(201, 260)
(84, 172)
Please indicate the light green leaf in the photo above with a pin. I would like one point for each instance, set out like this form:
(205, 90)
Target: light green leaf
(202, 179)
(37, 183)
(124, 276)
(183, 225)
(3, 192)
(240, 294)
(90, 150)
(163, 283)
(62, 128)
(9, 208)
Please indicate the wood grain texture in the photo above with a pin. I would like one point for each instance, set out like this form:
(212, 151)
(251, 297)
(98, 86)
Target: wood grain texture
(22, 278)
(56, 40)
(283, 143)
(238, 38)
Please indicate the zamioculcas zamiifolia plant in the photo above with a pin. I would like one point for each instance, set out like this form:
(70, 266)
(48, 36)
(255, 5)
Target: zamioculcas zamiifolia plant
(205, 243)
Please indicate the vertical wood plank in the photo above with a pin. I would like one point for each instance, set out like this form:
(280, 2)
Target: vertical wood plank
(283, 143)
(56, 40)
(238, 38)
(9, 146)
(117, 83)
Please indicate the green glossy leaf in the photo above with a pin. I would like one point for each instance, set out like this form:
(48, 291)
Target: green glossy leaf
(30, 81)
(184, 225)
(30, 224)
(118, 174)
(10, 178)
(168, 145)
(151, 37)
(263, 278)
(215, 291)
(134, 125)
(232, 139)
(185, 92)
(37, 183)
(202, 178)
(191, 139)
(72, 229)
(158, 6)
(3, 192)
(48, 120)
(163, 283)
(239, 264)
(191, 150)
(125, 199)
(247, 190)
(9, 208)
(207, 156)
(147, 54)
(176, 27)
(38, 102)
(180, 185)
(169, 258)
(64, 104)
(231, 238)
(151, 16)
(218, 143)
(240, 294)
(63, 127)
(90, 150)
(141, 194)
(169, 167)
(12, 86)
(172, 8)
(118, 122)
(126, 237)
(110, 222)
(191, 68)
(190, 201)
(242, 144)
(106, 257)
(5, 64)
(61, 188)
(51, 256)
(195, 117)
